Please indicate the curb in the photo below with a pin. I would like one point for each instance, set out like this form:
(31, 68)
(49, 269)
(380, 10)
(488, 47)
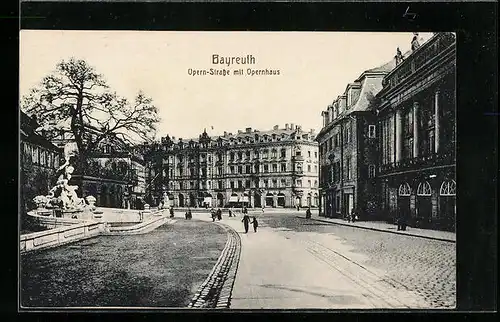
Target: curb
(382, 230)
(216, 290)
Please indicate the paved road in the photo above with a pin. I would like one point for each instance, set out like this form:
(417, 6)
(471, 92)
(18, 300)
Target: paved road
(297, 263)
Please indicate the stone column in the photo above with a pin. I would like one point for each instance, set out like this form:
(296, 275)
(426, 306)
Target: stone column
(416, 118)
(436, 120)
(399, 136)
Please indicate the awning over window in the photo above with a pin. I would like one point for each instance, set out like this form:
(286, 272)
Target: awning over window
(233, 199)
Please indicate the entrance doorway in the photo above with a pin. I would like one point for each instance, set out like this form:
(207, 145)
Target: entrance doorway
(424, 205)
(256, 201)
(403, 202)
(220, 200)
(281, 200)
(348, 203)
(269, 200)
(447, 205)
(181, 200)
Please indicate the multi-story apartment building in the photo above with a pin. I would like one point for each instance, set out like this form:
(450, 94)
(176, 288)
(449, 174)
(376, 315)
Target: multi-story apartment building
(275, 168)
(416, 133)
(39, 160)
(348, 149)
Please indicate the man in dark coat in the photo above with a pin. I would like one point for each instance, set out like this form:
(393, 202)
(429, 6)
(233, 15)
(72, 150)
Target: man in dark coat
(171, 212)
(255, 224)
(246, 221)
(219, 214)
(308, 213)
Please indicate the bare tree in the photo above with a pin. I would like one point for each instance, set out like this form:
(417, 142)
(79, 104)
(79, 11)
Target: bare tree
(76, 99)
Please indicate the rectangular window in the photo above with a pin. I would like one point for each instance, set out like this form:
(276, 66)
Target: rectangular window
(283, 183)
(275, 183)
(283, 153)
(275, 168)
(240, 169)
(315, 154)
(220, 184)
(266, 168)
(283, 167)
(232, 184)
(309, 154)
(248, 169)
(240, 184)
(371, 131)
(348, 168)
(308, 168)
(247, 183)
(371, 171)
(299, 183)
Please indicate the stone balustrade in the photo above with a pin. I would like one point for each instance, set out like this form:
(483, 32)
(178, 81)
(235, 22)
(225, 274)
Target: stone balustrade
(60, 236)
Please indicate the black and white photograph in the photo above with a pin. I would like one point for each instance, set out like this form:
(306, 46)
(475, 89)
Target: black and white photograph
(237, 170)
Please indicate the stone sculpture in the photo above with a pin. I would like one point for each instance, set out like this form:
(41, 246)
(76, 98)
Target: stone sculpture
(62, 194)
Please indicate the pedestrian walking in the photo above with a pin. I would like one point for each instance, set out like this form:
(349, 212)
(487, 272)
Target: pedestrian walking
(353, 215)
(246, 221)
(298, 208)
(213, 214)
(230, 213)
(404, 222)
(308, 213)
(219, 214)
(171, 212)
(255, 224)
(262, 209)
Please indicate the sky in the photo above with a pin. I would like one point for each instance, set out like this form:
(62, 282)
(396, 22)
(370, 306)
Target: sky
(315, 67)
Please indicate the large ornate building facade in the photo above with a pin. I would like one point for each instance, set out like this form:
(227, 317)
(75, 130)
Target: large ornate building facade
(387, 146)
(275, 168)
(416, 131)
(348, 148)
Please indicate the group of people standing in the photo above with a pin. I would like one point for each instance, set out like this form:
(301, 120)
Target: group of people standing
(216, 214)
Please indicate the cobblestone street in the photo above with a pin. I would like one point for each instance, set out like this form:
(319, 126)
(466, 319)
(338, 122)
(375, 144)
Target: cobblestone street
(424, 266)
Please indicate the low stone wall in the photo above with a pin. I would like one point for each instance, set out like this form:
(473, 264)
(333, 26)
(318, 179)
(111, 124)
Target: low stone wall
(141, 228)
(67, 230)
(54, 222)
(60, 236)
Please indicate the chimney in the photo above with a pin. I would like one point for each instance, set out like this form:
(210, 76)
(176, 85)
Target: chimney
(248, 130)
(230, 134)
(299, 127)
(311, 131)
(292, 126)
(225, 134)
(286, 126)
(173, 138)
(239, 131)
(276, 127)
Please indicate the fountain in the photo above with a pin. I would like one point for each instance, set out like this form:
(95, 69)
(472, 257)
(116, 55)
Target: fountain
(62, 197)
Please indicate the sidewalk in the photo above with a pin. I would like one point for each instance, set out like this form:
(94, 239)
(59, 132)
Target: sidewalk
(386, 227)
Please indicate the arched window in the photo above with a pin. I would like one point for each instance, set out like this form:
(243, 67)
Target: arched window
(404, 189)
(424, 189)
(448, 188)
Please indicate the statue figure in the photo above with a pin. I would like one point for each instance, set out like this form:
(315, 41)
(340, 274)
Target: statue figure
(415, 43)
(399, 56)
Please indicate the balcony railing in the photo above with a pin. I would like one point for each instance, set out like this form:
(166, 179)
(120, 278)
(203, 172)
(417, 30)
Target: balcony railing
(420, 58)
(419, 162)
